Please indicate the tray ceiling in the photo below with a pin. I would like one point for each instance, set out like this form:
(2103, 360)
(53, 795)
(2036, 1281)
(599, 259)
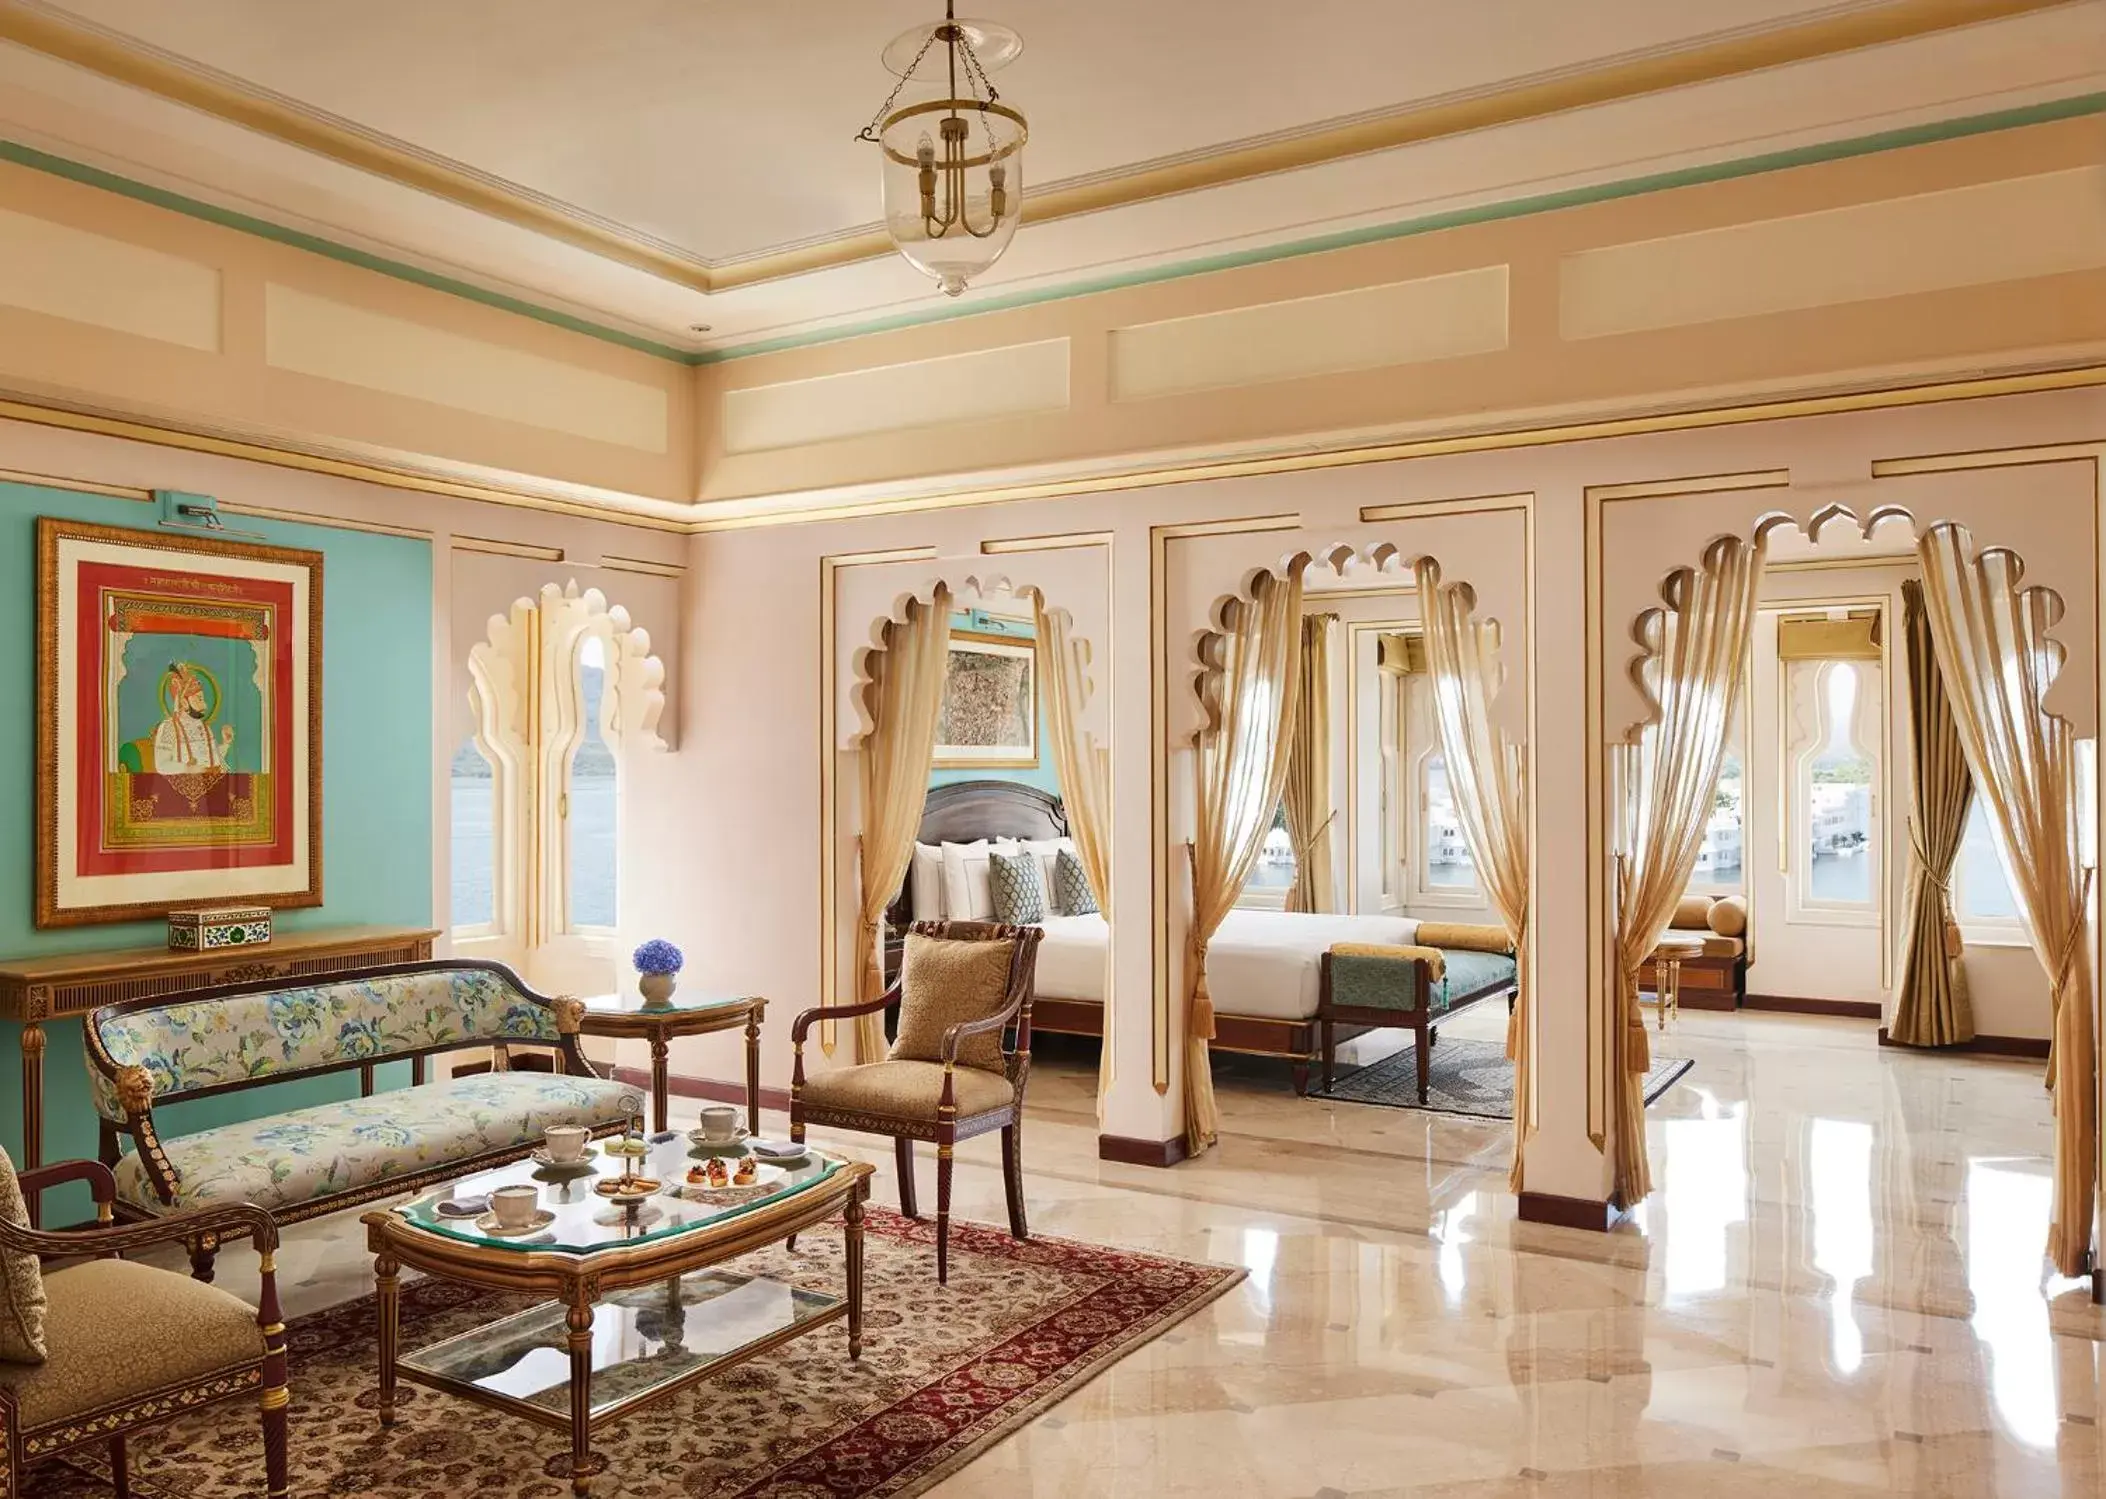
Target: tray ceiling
(664, 162)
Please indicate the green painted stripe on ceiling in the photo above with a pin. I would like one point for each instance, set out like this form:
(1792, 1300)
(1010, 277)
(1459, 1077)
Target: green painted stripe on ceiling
(1631, 187)
(2076, 107)
(228, 218)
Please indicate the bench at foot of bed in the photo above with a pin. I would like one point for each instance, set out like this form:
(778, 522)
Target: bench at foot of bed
(1366, 988)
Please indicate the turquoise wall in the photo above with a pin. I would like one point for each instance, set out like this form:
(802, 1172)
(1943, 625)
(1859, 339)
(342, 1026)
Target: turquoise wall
(1042, 775)
(376, 794)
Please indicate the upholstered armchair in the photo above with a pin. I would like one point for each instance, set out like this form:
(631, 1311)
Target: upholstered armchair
(949, 1076)
(127, 1345)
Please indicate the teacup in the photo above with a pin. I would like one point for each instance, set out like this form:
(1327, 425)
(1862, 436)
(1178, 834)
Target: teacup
(720, 1121)
(565, 1142)
(515, 1205)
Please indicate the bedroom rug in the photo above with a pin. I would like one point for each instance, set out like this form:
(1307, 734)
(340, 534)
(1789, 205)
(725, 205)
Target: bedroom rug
(945, 1374)
(1466, 1077)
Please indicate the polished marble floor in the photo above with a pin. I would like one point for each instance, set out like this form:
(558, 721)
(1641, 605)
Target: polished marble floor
(1837, 1288)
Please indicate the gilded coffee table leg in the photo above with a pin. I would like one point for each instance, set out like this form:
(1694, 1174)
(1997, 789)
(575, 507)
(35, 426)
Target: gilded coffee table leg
(582, 1463)
(853, 1217)
(387, 1286)
(753, 1020)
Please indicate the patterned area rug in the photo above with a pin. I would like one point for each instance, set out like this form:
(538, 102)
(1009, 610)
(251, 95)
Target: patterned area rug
(945, 1374)
(1464, 1077)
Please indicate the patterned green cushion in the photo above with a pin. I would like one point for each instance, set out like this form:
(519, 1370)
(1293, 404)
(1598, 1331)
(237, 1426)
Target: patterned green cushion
(1472, 973)
(1018, 886)
(334, 1147)
(1071, 887)
(188, 1045)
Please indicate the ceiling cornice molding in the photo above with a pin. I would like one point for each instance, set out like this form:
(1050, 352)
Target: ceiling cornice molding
(1628, 420)
(121, 59)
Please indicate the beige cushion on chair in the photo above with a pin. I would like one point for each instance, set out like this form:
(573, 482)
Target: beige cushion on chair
(117, 1329)
(944, 981)
(906, 1090)
(21, 1281)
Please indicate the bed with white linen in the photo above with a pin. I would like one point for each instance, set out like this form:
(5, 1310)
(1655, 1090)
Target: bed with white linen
(1264, 968)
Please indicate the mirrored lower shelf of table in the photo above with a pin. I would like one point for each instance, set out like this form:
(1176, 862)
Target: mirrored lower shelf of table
(644, 1343)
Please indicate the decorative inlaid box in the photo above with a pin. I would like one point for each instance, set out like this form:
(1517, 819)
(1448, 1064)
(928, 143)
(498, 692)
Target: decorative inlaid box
(223, 926)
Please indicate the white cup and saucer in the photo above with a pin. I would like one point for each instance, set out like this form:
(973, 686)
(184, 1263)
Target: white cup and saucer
(565, 1147)
(515, 1209)
(718, 1131)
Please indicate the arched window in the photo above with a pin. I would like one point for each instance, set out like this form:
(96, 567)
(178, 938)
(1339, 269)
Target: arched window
(472, 802)
(1836, 824)
(589, 821)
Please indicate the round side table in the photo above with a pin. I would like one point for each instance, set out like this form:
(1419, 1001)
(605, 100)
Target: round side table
(627, 1016)
(1668, 958)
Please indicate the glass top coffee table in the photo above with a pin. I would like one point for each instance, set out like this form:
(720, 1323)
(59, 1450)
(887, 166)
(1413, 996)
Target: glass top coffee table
(644, 1305)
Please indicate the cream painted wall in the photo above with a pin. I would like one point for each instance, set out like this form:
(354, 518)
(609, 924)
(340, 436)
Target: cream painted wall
(739, 878)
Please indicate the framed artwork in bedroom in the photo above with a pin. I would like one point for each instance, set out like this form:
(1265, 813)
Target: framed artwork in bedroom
(179, 724)
(989, 718)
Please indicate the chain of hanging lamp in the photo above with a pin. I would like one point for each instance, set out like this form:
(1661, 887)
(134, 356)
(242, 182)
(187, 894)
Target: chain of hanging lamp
(937, 220)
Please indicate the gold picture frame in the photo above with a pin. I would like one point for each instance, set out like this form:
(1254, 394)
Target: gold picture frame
(989, 718)
(179, 724)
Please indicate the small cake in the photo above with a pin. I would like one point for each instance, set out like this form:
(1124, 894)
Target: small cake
(747, 1173)
(697, 1177)
(718, 1176)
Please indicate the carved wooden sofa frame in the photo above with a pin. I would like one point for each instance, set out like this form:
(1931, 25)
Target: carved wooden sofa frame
(136, 1095)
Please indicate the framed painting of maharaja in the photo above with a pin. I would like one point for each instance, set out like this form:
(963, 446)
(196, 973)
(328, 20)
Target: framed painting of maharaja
(179, 723)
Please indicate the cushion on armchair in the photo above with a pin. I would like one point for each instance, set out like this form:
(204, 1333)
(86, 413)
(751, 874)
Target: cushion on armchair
(22, 1301)
(905, 1090)
(943, 982)
(120, 1329)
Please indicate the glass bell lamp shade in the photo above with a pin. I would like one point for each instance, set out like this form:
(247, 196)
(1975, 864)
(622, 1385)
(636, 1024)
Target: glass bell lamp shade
(953, 184)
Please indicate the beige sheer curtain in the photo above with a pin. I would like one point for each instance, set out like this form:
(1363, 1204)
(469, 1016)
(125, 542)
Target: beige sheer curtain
(1931, 1008)
(1487, 773)
(1239, 771)
(1084, 768)
(1993, 649)
(1696, 655)
(904, 700)
(1307, 800)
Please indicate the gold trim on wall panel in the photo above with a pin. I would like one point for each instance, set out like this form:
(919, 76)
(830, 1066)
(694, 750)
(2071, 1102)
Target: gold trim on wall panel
(78, 486)
(643, 565)
(1467, 505)
(115, 56)
(1316, 598)
(497, 548)
(1842, 564)
(1063, 542)
(1773, 478)
(1947, 463)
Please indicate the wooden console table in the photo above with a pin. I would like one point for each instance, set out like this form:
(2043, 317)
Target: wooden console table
(36, 990)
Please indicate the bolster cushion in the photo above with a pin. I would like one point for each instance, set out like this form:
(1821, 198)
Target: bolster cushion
(1729, 916)
(1464, 935)
(1691, 912)
(1435, 960)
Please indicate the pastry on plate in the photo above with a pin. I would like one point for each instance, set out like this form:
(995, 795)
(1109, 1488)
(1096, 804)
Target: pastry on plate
(747, 1173)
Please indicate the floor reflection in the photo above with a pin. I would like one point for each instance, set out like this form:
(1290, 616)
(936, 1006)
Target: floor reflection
(1702, 1198)
(2008, 1205)
(1839, 1178)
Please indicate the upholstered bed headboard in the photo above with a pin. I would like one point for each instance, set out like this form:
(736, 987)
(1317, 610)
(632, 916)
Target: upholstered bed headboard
(967, 811)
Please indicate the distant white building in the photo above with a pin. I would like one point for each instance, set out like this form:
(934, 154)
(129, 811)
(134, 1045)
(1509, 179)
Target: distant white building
(1841, 817)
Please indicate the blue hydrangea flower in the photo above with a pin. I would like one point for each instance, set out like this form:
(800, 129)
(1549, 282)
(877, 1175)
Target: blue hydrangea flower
(657, 956)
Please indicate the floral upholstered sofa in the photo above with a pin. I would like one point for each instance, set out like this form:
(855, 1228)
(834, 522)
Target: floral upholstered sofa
(144, 1054)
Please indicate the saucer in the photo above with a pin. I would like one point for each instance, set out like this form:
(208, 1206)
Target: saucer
(732, 1144)
(779, 1152)
(542, 1219)
(584, 1162)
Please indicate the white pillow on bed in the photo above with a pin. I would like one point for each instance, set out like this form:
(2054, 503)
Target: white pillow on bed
(927, 883)
(968, 894)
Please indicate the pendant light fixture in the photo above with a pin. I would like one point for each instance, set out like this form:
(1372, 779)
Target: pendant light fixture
(951, 153)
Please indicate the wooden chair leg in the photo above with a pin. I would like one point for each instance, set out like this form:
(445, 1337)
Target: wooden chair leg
(120, 1472)
(903, 1163)
(943, 1213)
(1425, 1059)
(203, 1249)
(1013, 1178)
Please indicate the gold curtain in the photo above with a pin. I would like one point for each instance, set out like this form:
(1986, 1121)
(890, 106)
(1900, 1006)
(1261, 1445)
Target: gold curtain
(1487, 772)
(1695, 662)
(1998, 661)
(1239, 772)
(904, 700)
(1307, 800)
(1931, 1007)
(1084, 768)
